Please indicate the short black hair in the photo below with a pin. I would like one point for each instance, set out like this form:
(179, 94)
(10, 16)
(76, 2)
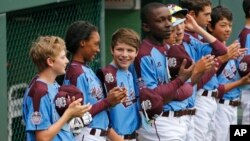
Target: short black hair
(147, 9)
(77, 31)
(195, 5)
(246, 8)
(218, 13)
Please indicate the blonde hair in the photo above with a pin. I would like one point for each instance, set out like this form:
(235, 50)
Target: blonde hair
(46, 47)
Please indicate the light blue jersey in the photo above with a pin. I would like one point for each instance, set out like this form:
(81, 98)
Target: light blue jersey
(124, 117)
(228, 75)
(85, 79)
(39, 111)
(196, 50)
(154, 71)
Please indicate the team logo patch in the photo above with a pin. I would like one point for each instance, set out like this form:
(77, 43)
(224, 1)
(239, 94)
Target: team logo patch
(61, 102)
(36, 118)
(172, 62)
(109, 78)
(243, 66)
(146, 104)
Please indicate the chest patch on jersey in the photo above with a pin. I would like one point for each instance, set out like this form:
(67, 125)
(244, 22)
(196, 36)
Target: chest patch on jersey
(129, 100)
(229, 74)
(36, 118)
(61, 102)
(97, 92)
(109, 78)
(172, 62)
(243, 66)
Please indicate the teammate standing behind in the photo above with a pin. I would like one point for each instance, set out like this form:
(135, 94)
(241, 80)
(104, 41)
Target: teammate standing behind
(221, 26)
(244, 39)
(82, 41)
(124, 117)
(42, 121)
(151, 65)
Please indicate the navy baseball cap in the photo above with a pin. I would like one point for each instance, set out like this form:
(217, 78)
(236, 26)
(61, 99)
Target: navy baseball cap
(64, 97)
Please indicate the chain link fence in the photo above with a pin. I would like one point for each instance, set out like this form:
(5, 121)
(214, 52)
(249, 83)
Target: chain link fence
(23, 27)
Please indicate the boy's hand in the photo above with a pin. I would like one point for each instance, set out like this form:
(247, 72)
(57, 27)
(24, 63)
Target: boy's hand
(191, 24)
(206, 63)
(185, 74)
(246, 79)
(76, 109)
(117, 95)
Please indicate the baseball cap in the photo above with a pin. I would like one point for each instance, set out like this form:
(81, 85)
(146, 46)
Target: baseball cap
(176, 21)
(175, 9)
(64, 96)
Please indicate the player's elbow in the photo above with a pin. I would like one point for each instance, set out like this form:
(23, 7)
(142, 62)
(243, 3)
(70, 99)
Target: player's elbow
(40, 136)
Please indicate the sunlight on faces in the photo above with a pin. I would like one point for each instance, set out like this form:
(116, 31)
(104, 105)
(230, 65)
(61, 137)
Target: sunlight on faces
(123, 55)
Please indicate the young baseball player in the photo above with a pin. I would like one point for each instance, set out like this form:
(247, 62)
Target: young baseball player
(244, 38)
(184, 50)
(206, 94)
(82, 41)
(152, 67)
(40, 116)
(124, 117)
(221, 26)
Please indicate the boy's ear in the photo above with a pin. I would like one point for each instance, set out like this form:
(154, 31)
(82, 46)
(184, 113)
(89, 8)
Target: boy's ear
(112, 51)
(145, 27)
(50, 62)
(82, 43)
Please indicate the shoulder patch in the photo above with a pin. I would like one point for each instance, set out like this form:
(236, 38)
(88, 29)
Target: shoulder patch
(37, 91)
(109, 78)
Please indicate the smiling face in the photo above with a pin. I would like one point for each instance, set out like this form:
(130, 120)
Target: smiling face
(123, 55)
(158, 24)
(222, 29)
(91, 47)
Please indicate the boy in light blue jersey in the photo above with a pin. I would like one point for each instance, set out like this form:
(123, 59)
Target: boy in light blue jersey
(152, 68)
(208, 92)
(39, 113)
(226, 115)
(124, 117)
(82, 41)
(244, 38)
(183, 50)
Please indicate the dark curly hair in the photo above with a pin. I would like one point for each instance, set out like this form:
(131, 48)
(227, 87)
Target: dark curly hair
(77, 31)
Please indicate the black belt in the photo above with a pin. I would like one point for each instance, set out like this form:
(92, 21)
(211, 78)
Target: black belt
(94, 132)
(213, 94)
(180, 113)
(231, 102)
(130, 136)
